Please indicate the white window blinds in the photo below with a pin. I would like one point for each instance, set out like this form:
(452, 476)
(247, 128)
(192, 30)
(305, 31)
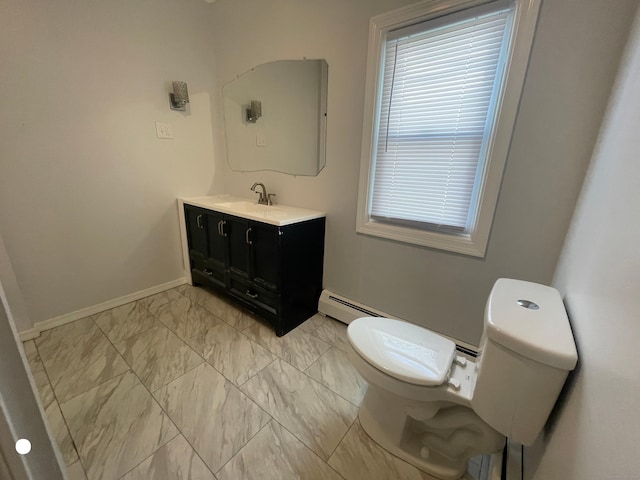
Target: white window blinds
(441, 80)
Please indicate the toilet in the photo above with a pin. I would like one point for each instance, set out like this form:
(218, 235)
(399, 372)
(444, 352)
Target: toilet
(434, 408)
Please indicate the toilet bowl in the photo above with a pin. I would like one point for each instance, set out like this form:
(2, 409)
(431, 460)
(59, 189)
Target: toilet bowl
(436, 409)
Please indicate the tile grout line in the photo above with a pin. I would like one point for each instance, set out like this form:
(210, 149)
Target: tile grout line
(296, 436)
(55, 399)
(343, 437)
(205, 360)
(180, 432)
(327, 386)
(326, 462)
(278, 357)
(247, 443)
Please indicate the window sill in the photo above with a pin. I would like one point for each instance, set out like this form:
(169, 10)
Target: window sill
(458, 243)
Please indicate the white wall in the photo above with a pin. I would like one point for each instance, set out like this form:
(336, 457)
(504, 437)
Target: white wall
(597, 432)
(573, 63)
(88, 193)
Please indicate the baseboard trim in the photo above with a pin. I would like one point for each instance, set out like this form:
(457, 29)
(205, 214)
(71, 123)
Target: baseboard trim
(29, 334)
(40, 327)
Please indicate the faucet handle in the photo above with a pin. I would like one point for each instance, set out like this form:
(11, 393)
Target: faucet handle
(269, 201)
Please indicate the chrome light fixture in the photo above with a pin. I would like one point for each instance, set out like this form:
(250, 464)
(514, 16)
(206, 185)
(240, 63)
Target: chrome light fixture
(180, 97)
(254, 112)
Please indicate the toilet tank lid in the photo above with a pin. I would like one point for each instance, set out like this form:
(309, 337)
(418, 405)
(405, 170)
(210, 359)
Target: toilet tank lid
(530, 319)
(402, 350)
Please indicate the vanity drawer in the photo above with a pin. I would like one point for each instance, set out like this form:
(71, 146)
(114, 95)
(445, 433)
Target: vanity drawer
(205, 274)
(255, 295)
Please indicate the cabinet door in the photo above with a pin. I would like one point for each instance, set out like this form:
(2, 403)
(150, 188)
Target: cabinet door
(238, 252)
(217, 238)
(265, 257)
(196, 219)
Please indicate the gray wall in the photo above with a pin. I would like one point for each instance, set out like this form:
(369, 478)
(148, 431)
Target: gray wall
(88, 192)
(574, 58)
(596, 431)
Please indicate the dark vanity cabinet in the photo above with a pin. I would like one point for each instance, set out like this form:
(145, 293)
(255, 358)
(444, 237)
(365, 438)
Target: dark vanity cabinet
(273, 271)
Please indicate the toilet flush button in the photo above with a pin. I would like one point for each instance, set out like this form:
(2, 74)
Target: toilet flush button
(528, 304)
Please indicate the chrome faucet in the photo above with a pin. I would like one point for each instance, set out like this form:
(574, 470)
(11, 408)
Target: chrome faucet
(265, 198)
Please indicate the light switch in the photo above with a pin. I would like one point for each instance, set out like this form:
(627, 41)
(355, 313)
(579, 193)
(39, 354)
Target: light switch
(164, 130)
(261, 139)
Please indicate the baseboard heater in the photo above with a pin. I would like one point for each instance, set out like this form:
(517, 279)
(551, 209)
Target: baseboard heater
(346, 311)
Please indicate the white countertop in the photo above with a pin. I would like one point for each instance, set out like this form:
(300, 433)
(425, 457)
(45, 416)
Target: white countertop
(248, 208)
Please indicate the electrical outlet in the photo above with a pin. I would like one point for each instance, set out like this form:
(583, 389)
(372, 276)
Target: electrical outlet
(261, 139)
(164, 130)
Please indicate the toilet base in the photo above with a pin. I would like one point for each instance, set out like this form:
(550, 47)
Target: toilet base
(435, 464)
(439, 438)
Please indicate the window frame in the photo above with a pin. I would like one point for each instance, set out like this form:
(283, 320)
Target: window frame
(475, 241)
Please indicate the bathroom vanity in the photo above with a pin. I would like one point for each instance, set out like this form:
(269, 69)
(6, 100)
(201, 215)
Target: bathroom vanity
(267, 258)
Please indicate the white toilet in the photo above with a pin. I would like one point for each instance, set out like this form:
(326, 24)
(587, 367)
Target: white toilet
(436, 409)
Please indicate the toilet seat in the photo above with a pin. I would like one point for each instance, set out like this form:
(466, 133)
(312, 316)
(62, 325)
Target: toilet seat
(402, 350)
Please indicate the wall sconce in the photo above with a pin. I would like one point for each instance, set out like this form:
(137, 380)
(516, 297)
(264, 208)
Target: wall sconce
(254, 112)
(180, 97)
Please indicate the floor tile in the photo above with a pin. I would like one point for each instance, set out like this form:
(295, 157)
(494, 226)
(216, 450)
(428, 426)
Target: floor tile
(175, 461)
(275, 454)
(213, 415)
(125, 321)
(59, 428)
(359, 457)
(154, 302)
(77, 357)
(186, 318)
(76, 472)
(312, 412)
(49, 403)
(157, 356)
(36, 365)
(333, 332)
(116, 426)
(335, 371)
(30, 349)
(220, 307)
(230, 352)
(55, 339)
(296, 347)
(313, 323)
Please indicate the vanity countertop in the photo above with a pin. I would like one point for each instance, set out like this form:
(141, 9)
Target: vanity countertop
(248, 208)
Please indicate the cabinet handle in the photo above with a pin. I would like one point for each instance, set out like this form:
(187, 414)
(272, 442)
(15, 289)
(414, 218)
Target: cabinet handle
(251, 295)
(199, 221)
(221, 225)
(208, 272)
(246, 235)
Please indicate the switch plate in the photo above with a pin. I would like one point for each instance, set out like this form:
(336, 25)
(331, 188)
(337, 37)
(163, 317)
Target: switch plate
(261, 139)
(164, 130)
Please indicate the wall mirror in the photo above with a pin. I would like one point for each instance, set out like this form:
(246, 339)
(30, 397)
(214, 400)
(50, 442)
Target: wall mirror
(275, 117)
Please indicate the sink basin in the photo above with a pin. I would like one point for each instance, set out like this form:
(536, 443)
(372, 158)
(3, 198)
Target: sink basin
(245, 208)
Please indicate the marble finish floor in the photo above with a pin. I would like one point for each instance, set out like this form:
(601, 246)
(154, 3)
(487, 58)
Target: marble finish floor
(184, 385)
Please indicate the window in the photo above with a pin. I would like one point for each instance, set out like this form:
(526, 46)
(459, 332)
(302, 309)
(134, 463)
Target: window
(442, 91)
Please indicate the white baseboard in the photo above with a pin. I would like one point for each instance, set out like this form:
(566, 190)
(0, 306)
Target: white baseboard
(29, 334)
(40, 327)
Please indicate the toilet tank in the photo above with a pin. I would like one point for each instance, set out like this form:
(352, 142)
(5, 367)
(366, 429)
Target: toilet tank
(526, 352)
